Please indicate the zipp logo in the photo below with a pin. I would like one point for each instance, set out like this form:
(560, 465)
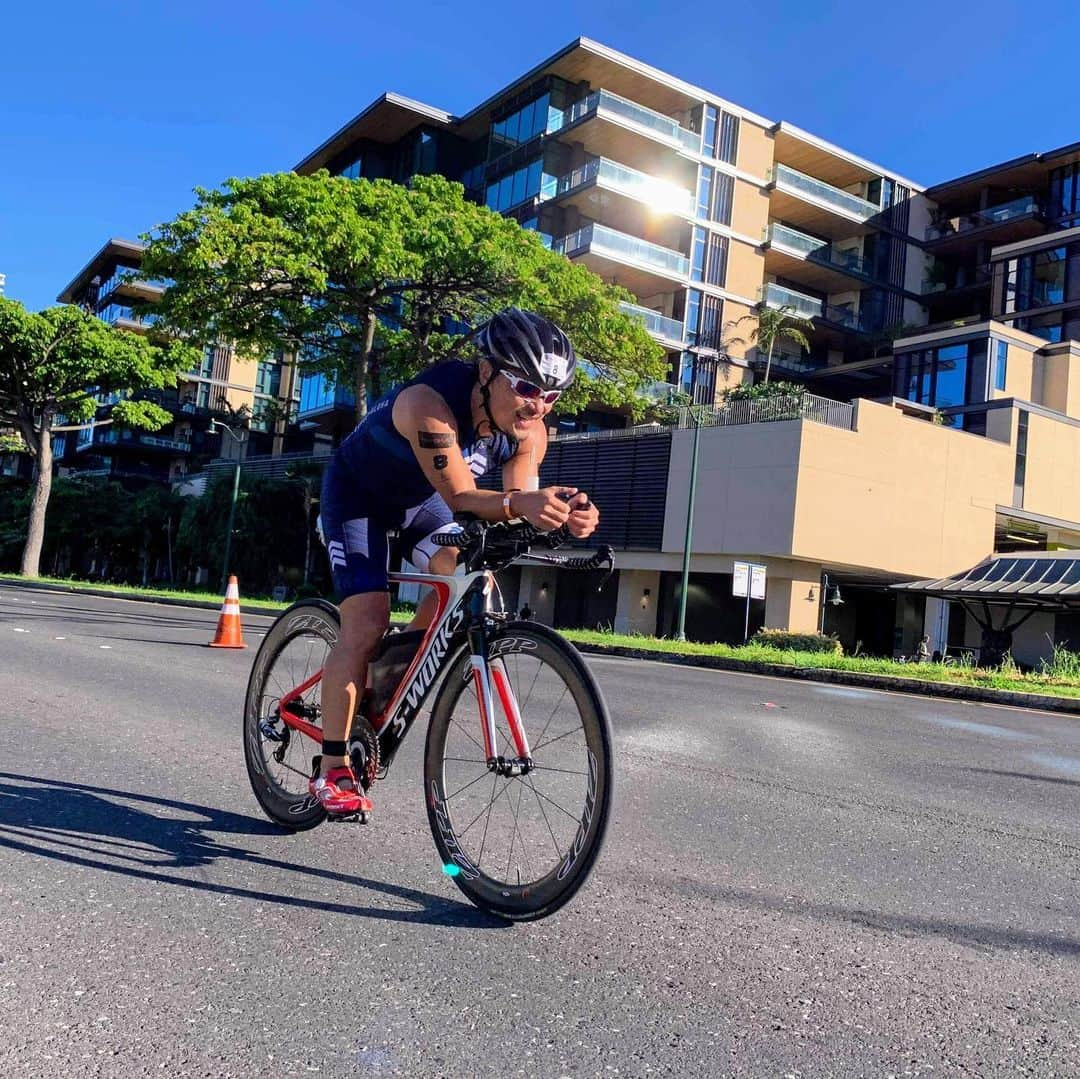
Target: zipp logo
(308, 621)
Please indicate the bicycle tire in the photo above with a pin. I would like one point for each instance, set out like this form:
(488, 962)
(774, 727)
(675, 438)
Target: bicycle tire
(518, 645)
(310, 622)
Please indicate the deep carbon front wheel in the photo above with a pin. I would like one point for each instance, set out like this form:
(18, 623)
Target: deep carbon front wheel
(521, 846)
(278, 757)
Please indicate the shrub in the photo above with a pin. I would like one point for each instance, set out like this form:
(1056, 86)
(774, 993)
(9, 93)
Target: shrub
(797, 642)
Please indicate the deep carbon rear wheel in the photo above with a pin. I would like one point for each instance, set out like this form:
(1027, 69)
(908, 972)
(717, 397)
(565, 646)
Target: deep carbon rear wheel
(278, 757)
(520, 846)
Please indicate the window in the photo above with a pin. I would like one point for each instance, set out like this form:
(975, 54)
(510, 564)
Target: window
(516, 188)
(716, 262)
(268, 378)
(693, 314)
(723, 197)
(704, 192)
(721, 135)
(521, 126)
(710, 328)
(729, 138)
(950, 385)
(1020, 470)
(1035, 280)
(355, 170)
(1001, 359)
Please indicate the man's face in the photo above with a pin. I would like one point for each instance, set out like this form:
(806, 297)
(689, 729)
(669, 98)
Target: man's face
(517, 416)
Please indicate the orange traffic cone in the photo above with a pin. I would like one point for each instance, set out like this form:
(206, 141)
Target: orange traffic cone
(228, 628)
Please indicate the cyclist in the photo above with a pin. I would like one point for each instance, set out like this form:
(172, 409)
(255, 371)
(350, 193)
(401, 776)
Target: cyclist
(409, 467)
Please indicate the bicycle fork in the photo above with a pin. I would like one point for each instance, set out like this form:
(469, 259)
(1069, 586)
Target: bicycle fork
(488, 675)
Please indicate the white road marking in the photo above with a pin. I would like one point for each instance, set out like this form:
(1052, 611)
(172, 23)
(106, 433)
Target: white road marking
(18, 630)
(59, 638)
(104, 646)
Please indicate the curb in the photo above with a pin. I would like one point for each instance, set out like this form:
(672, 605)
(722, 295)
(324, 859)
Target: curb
(979, 694)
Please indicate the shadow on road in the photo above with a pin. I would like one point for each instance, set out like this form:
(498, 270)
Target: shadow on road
(1027, 775)
(146, 836)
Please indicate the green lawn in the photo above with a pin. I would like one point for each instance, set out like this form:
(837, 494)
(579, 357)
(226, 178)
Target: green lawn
(923, 672)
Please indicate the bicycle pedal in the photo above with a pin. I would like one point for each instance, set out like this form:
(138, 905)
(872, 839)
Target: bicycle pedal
(348, 818)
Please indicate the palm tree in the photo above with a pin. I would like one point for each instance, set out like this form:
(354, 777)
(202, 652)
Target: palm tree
(774, 323)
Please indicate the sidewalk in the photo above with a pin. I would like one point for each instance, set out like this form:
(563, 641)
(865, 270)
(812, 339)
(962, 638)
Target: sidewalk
(977, 694)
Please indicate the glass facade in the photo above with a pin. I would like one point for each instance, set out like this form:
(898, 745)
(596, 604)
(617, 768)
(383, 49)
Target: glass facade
(1036, 280)
(946, 377)
(268, 377)
(715, 195)
(516, 187)
(721, 135)
(1001, 360)
(354, 170)
(1063, 203)
(708, 257)
(521, 126)
(319, 393)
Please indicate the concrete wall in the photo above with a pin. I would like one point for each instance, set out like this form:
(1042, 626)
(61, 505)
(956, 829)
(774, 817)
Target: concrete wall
(755, 149)
(745, 270)
(636, 611)
(898, 494)
(1052, 475)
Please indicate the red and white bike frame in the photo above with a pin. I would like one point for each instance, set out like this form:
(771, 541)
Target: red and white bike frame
(461, 606)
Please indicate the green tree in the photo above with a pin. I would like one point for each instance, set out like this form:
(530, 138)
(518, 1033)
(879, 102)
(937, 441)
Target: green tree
(361, 279)
(773, 324)
(53, 364)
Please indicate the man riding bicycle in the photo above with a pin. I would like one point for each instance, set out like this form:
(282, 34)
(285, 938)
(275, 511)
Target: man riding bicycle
(409, 467)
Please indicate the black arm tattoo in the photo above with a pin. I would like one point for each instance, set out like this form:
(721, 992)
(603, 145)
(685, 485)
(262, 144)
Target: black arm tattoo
(434, 440)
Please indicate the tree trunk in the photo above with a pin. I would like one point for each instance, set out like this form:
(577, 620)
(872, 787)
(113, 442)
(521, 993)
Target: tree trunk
(768, 363)
(35, 534)
(362, 363)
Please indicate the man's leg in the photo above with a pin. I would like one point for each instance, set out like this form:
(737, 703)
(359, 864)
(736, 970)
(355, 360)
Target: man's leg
(364, 619)
(442, 563)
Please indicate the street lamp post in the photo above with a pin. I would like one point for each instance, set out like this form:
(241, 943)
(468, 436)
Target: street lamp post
(834, 599)
(240, 439)
(680, 634)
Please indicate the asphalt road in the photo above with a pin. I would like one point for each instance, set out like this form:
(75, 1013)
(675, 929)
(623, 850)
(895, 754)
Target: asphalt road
(800, 880)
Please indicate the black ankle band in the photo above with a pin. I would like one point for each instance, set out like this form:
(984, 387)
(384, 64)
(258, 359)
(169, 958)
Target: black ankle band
(335, 749)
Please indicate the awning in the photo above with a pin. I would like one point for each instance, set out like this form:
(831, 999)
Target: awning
(1047, 581)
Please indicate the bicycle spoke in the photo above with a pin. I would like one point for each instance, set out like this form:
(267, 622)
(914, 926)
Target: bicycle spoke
(483, 838)
(486, 808)
(557, 738)
(543, 813)
(449, 797)
(566, 689)
(551, 801)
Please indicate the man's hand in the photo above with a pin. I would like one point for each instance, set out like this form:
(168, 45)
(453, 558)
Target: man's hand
(584, 516)
(546, 509)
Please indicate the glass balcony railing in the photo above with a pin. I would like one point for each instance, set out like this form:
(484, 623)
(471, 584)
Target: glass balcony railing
(803, 306)
(658, 325)
(993, 215)
(603, 240)
(789, 179)
(659, 194)
(603, 101)
(819, 251)
(809, 307)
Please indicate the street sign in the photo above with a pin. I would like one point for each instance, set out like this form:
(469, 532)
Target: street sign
(757, 582)
(740, 584)
(748, 581)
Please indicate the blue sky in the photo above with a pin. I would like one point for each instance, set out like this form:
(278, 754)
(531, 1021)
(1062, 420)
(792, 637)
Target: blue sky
(111, 113)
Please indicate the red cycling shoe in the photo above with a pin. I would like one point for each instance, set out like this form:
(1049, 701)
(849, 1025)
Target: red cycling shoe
(339, 793)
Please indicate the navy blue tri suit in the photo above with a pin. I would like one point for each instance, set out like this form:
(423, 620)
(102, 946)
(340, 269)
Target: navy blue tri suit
(374, 485)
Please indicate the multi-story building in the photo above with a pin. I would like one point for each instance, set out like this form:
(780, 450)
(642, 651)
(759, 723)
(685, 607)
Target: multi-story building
(223, 382)
(941, 418)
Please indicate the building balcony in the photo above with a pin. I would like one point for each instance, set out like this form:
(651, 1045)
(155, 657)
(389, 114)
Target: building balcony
(643, 267)
(840, 316)
(110, 440)
(812, 204)
(613, 127)
(601, 184)
(668, 330)
(1006, 223)
(813, 261)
